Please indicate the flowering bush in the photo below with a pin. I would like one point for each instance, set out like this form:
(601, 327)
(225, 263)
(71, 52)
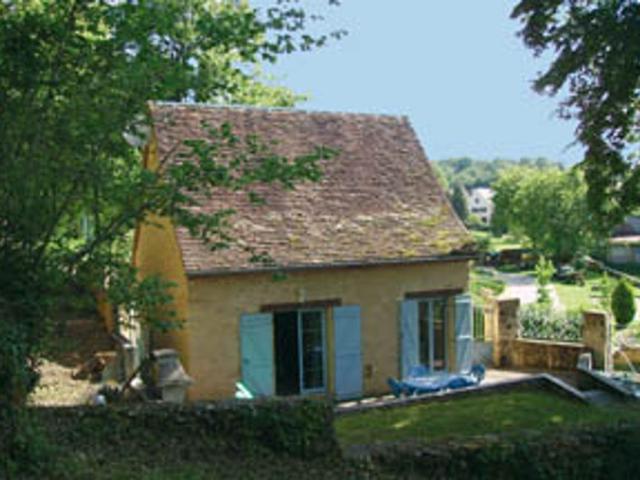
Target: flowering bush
(540, 322)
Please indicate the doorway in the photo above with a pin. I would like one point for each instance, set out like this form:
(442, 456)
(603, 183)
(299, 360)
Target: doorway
(432, 326)
(300, 351)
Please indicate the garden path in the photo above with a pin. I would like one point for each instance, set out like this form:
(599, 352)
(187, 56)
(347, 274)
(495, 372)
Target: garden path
(523, 287)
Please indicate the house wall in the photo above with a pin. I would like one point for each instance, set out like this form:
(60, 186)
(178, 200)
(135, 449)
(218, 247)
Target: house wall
(620, 254)
(216, 304)
(156, 252)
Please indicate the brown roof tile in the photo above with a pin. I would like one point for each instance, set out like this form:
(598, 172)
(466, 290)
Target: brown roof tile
(378, 201)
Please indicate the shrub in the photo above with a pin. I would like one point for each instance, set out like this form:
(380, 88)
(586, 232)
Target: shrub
(623, 303)
(544, 273)
(540, 322)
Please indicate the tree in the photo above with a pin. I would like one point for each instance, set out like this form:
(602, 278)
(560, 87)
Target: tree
(75, 79)
(505, 215)
(596, 49)
(549, 208)
(459, 202)
(482, 173)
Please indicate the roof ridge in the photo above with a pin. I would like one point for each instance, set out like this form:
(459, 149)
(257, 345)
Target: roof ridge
(240, 107)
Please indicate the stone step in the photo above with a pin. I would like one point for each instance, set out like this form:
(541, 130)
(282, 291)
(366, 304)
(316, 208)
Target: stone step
(599, 397)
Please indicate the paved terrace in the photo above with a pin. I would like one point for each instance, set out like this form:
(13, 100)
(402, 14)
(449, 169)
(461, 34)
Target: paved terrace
(495, 380)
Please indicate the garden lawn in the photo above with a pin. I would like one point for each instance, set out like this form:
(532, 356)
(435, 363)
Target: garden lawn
(484, 280)
(496, 243)
(575, 297)
(494, 413)
(581, 297)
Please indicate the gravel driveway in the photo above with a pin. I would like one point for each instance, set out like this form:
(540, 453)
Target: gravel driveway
(523, 287)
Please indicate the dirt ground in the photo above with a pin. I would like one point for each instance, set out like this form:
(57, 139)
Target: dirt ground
(76, 343)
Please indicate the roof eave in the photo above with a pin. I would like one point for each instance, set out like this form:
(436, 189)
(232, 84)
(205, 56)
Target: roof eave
(456, 257)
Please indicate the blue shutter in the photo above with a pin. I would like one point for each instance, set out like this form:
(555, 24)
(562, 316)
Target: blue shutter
(464, 333)
(256, 347)
(409, 343)
(348, 352)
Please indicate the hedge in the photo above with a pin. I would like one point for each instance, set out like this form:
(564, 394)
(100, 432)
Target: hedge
(298, 428)
(609, 451)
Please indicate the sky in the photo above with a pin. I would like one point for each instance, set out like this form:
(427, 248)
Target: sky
(455, 67)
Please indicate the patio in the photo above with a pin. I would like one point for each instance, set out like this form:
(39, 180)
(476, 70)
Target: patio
(562, 381)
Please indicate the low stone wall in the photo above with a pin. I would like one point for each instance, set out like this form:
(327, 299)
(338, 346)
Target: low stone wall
(512, 351)
(545, 354)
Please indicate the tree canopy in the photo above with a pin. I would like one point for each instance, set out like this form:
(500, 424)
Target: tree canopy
(75, 81)
(473, 173)
(595, 46)
(547, 207)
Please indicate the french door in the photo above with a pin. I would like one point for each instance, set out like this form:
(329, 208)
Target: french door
(299, 339)
(432, 330)
(311, 351)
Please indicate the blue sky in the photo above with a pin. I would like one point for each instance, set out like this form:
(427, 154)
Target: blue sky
(455, 67)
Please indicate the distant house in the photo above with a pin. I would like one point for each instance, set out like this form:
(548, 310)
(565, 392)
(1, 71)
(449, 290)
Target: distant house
(624, 250)
(624, 244)
(480, 202)
(376, 262)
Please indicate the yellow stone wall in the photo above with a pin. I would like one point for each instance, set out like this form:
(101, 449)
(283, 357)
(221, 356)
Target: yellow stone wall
(156, 252)
(216, 304)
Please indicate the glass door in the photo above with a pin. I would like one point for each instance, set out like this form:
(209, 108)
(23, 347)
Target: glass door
(432, 326)
(311, 345)
(439, 328)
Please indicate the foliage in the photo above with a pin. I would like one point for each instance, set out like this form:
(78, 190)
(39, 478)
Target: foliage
(75, 82)
(589, 452)
(292, 432)
(474, 222)
(596, 60)
(623, 303)
(606, 287)
(483, 242)
(459, 202)
(549, 208)
(544, 273)
(484, 280)
(541, 322)
(472, 173)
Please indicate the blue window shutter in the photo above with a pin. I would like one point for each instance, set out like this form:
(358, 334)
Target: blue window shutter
(348, 351)
(464, 333)
(256, 347)
(409, 337)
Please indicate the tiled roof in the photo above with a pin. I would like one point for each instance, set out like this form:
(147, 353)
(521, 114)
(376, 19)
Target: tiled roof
(378, 201)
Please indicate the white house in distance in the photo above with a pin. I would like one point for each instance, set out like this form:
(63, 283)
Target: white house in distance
(480, 202)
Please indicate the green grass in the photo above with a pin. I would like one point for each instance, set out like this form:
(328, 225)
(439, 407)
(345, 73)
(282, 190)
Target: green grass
(480, 415)
(575, 297)
(497, 243)
(482, 280)
(580, 297)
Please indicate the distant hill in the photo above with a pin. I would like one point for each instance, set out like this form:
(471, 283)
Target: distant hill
(482, 173)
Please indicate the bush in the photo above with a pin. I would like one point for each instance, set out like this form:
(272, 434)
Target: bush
(544, 273)
(623, 303)
(540, 322)
(586, 453)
